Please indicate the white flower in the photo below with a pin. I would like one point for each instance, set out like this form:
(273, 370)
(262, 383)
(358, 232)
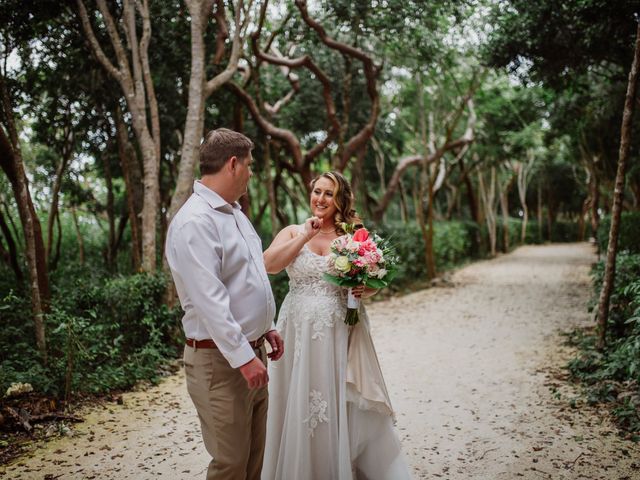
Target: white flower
(342, 264)
(381, 273)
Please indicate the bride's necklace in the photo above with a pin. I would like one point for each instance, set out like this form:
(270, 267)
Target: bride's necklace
(329, 232)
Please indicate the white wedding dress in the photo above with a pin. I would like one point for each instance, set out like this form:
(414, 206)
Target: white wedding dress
(329, 412)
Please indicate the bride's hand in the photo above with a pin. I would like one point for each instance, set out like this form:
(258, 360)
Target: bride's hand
(312, 227)
(363, 292)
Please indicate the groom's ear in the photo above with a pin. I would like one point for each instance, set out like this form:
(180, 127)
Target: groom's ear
(232, 164)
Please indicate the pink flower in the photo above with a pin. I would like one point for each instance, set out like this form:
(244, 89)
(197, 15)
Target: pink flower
(361, 235)
(366, 246)
(373, 257)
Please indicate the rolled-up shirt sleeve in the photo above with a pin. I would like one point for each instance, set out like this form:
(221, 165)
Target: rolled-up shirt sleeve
(197, 256)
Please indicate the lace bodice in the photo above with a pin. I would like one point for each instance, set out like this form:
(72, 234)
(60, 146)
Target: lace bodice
(306, 275)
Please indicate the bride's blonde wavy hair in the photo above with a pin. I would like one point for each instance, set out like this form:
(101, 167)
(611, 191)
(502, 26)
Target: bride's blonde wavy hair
(342, 199)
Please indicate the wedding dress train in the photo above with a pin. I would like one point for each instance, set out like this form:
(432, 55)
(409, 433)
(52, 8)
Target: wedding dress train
(329, 411)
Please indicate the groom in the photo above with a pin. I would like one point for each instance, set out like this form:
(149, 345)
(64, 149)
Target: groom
(215, 258)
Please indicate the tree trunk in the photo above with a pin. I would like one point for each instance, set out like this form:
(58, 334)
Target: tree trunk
(426, 179)
(200, 89)
(122, 224)
(539, 212)
(525, 221)
(12, 251)
(551, 217)
(522, 178)
(134, 77)
(111, 240)
(78, 235)
(55, 257)
(595, 202)
(503, 195)
(471, 197)
(132, 180)
(429, 253)
(420, 217)
(618, 193)
(194, 122)
(53, 210)
(488, 200)
(404, 211)
(582, 224)
(12, 164)
(271, 191)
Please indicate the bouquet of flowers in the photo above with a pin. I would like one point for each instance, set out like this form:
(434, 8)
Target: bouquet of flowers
(360, 258)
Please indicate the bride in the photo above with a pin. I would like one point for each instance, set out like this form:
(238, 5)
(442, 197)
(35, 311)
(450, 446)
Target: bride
(329, 412)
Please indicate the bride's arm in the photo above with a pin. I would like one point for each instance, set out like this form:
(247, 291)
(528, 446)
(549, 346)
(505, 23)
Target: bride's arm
(287, 244)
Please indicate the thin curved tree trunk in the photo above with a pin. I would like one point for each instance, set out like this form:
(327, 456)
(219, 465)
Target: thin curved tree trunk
(618, 193)
(13, 165)
(131, 175)
(55, 205)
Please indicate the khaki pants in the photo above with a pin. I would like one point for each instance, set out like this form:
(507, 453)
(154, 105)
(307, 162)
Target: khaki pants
(232, 416)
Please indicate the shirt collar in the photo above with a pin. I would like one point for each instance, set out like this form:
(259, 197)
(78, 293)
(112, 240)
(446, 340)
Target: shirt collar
(214, 200)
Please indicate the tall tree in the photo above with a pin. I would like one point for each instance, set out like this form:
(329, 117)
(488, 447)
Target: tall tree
(13, 166)
(618, 192)
(201, 88)
(133, 75)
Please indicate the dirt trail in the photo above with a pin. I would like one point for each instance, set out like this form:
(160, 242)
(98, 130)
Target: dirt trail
(471, 372)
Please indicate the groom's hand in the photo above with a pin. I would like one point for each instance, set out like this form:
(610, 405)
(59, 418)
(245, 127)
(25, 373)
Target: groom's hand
(277, 345)
(255, 373)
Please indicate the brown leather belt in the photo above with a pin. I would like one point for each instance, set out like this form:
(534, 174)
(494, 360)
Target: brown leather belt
(211, 344)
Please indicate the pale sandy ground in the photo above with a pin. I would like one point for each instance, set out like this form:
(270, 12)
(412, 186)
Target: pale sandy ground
(471, 369)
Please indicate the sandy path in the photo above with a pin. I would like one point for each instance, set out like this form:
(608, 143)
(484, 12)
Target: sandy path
(469, 370)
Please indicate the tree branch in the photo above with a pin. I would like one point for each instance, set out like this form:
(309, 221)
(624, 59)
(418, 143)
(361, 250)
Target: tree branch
(306, 62)
(223, 77)
(143, 10)
(283, 134)
(95, 45)
(371, 72)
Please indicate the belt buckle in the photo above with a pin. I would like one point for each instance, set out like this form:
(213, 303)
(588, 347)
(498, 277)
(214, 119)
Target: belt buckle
(259, 342)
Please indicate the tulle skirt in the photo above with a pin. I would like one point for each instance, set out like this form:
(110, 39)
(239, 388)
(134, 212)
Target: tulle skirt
(330, 416)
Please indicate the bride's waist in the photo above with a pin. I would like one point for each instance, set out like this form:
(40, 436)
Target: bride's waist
(317, 289)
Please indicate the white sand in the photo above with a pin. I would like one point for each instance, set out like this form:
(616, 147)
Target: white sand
(472, 371)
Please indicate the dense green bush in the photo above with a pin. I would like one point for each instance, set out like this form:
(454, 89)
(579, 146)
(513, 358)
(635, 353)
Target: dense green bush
(607, 373)
(561, 231)
(565, 231)
(453, 243)
(629, 233)
(622, 296)
(107, 334)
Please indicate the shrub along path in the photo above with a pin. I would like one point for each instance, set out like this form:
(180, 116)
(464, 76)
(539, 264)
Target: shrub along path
(473, 368)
